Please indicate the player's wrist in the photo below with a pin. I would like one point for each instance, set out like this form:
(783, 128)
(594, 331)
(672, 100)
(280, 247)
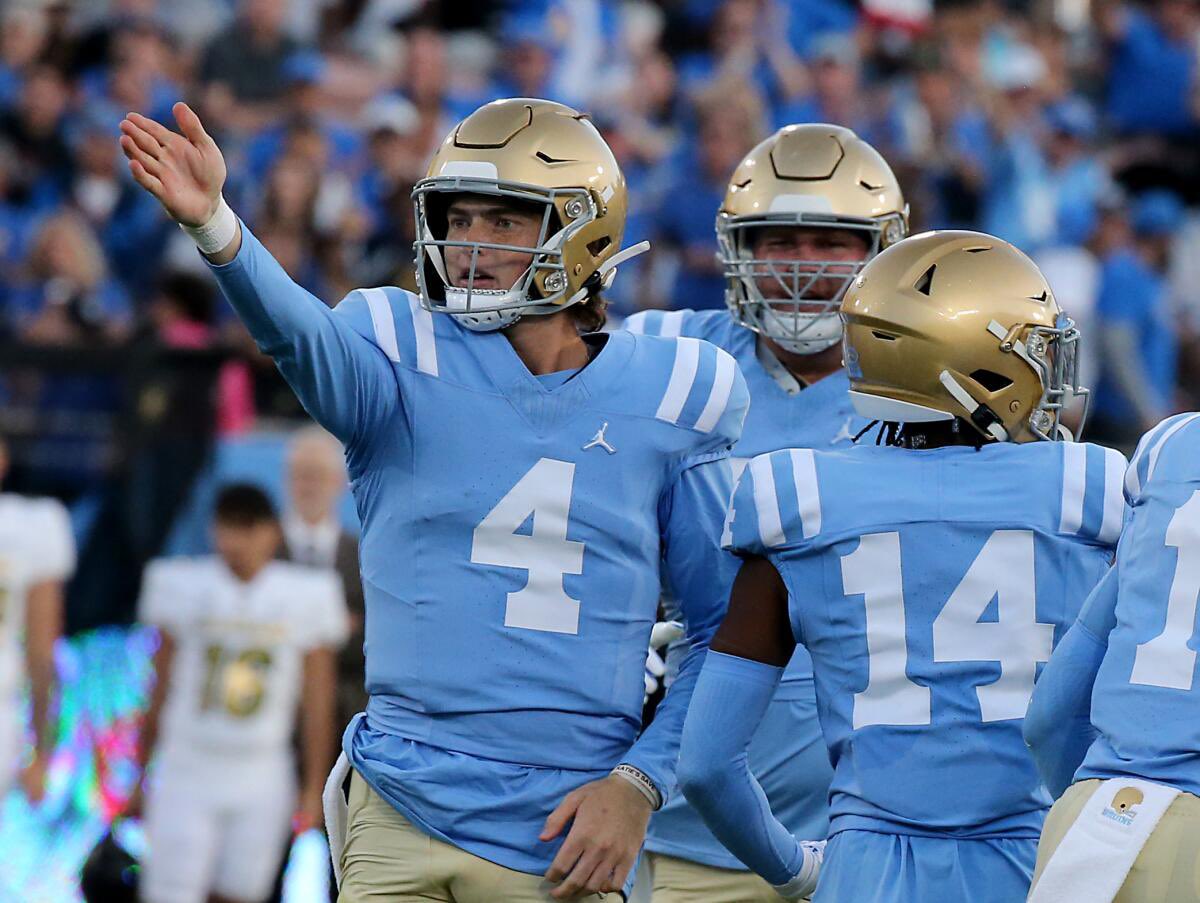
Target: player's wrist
(215, 234)
(804, 882)
(641, 782)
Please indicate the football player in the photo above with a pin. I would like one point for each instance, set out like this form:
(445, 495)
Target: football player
(804, 211)
(1115, 719)
(37, 554)
(521, 487)
(927, 576)
(245, 641)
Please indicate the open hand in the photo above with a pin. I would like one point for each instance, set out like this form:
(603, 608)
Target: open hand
(184, 172)
(610, 817)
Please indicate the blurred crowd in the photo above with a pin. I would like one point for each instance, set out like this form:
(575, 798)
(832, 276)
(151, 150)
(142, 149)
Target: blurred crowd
(1066, 127)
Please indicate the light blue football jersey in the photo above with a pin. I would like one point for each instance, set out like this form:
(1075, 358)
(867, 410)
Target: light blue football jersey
(1146, 697)
(929, 586)
(513, 534)
(787, 754)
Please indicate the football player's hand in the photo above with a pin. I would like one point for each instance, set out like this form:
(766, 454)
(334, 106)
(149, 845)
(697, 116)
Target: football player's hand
(33, 779)
(608, 821)
(309, 814)
(184, 172)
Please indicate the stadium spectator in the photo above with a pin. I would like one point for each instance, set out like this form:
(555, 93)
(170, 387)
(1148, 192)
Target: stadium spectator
(313, 536)
(1137, 384)
(1151, 76)
(68, 295)
(22, 39)
(730, 122)
(243, 68)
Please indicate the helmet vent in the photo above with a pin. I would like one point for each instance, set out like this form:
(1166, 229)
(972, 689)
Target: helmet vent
(991, 380)
(976, 250)
(886, 336)
(926, 281)
(1041, 299)
(546, 158)
(863, 183)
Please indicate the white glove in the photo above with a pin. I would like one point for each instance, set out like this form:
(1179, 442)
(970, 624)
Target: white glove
(662, 634)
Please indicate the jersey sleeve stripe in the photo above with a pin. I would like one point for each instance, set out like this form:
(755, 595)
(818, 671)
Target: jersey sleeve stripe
(808, 496)
(422, 321)
(1158, 446)
(683, 375)
(1135, 476)
(641, 323)
(382, 322)
(671, 323)
(718, 396)
(1114, 499)
(1074, 484)
(766, 503)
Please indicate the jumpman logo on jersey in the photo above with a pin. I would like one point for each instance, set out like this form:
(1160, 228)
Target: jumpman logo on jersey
(599, 440)
(844, 432)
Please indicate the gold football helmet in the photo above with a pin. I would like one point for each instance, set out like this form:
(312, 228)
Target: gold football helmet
(534, 151)
(804, 175)
(960, 324)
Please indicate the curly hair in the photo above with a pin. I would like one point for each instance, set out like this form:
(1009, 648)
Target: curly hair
(590, 315)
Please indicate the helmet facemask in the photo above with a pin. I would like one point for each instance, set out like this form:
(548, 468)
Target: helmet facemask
(801, 321)
(540, 289)
(1053, 352)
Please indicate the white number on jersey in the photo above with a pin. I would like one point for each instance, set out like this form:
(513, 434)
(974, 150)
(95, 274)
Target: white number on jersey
(235, 682)
(544, 494)
(1166, 660)
(1003, 570)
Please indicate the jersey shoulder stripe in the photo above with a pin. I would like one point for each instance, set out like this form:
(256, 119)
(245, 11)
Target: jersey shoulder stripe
(1145, 457)
(704, 387)
(777, 502)
(1091, 503)
(398, 324)
(667, 323)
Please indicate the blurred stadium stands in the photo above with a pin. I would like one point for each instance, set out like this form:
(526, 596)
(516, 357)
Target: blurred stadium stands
(128, 388)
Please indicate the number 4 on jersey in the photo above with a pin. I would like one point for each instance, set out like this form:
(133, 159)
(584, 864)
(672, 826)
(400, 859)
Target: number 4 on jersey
(1003, 570)
(543, 494)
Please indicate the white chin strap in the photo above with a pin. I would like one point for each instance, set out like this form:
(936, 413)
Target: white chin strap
(963, 397)
(823, 332)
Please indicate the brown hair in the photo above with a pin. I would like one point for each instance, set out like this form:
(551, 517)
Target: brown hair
(590, 315)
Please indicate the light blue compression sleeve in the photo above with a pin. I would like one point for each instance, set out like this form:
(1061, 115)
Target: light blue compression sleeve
(730, 699)
(1058, 725)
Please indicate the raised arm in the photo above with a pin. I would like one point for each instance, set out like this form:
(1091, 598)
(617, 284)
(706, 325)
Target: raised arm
(739, 677)
(341, 377)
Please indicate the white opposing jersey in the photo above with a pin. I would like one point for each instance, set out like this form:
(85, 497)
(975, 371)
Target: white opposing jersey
(36, 544)
(238, 666)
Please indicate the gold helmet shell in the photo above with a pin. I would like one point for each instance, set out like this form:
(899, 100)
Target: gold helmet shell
(815, 175)
(527, 150)
(960, 324)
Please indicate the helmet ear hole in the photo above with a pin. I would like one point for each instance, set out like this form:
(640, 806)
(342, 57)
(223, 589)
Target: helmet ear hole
(991, 380)
(596, 248)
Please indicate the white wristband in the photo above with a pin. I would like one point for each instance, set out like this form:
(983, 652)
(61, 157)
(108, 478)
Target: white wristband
(642, 782)
(217, 233)
(804, 882)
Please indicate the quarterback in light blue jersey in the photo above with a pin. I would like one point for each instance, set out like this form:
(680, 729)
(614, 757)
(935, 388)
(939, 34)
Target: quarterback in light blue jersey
(520, 489)
(928, 577)
(1120, 699)
(795, 228)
